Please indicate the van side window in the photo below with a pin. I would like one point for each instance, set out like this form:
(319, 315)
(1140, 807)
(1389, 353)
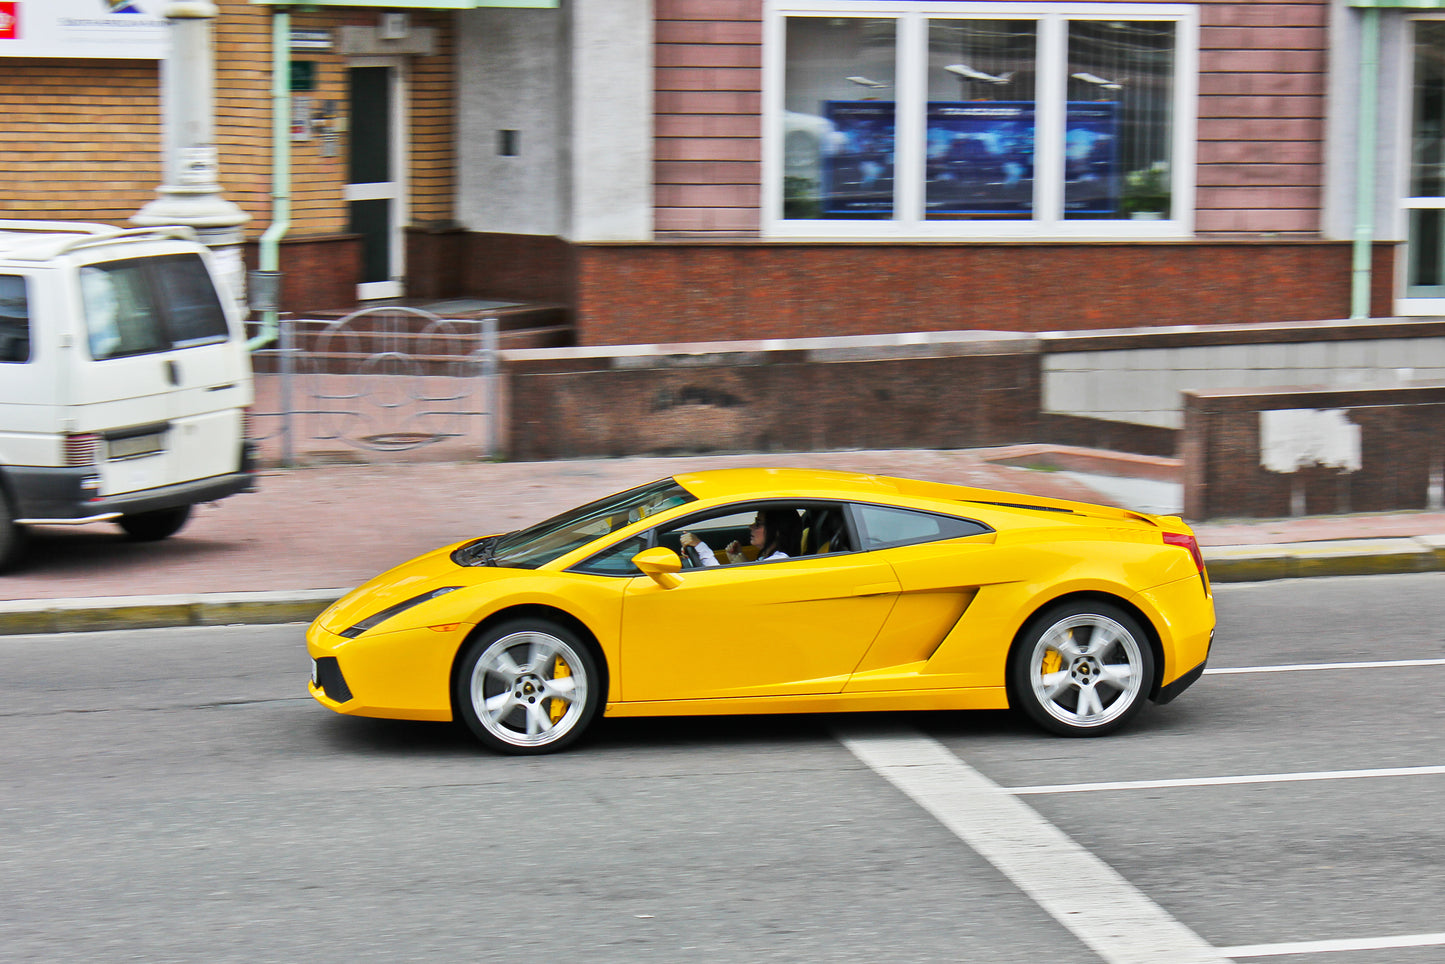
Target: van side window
(14, 320)
(120, 314)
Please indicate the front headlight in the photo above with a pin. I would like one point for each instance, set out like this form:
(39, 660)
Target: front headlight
(376, 619)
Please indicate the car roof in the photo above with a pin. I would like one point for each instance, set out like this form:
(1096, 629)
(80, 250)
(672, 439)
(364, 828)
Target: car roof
(784, 482)
(40, 241)
(773, 483)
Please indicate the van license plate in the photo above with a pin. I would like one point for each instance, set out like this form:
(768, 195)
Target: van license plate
(134, 447)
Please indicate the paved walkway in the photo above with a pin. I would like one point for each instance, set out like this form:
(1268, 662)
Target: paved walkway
(308, 533)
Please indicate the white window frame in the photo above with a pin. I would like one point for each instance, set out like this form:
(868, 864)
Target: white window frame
(911, 53)
(1405, 304)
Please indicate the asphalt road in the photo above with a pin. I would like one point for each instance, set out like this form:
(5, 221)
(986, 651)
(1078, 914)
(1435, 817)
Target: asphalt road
(173, 795)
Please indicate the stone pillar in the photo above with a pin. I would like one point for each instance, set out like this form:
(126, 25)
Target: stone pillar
(190, 193)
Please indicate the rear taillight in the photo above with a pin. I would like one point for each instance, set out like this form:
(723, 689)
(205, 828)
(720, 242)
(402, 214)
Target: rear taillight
(1187, 542)
(82, 449)
(247, 426)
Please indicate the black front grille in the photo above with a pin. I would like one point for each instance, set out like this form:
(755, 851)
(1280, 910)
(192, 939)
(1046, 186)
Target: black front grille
(329, 678)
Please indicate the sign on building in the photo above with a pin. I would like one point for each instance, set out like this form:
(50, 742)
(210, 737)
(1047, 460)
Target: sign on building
(112, 29)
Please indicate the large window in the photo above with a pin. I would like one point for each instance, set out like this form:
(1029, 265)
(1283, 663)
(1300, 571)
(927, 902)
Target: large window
(942, 119)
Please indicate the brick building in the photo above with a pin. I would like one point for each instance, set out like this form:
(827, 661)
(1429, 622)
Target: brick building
(681, 170)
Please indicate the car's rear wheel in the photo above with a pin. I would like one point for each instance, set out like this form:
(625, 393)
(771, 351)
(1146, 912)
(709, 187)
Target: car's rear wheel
(12, 535)
(1083, 668)
(151, 526)
(528, 687)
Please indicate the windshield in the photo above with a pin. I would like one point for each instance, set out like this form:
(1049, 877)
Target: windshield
(540, 544)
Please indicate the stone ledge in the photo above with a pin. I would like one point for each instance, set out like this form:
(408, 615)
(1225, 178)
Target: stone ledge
(156, 612)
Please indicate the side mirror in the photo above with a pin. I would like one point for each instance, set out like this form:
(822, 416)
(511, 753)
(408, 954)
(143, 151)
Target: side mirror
(662, 564)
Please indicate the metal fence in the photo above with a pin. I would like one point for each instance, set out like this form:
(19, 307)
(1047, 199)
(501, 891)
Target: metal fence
(381, 380)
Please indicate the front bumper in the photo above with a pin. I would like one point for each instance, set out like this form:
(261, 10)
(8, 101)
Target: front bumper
(399, 676)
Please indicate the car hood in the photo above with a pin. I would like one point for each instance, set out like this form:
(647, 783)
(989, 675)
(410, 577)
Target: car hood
(424, 574)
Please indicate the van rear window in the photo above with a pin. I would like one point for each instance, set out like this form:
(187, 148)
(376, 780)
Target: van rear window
(150, 305)
(14, 320)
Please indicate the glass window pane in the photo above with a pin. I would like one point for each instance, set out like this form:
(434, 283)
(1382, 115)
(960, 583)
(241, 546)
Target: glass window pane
(14, 320)
(980, 119)
(193, 310)
(1427, 155)
(1120, 123)
(838, 118)
(1425, 269)
(120, 315)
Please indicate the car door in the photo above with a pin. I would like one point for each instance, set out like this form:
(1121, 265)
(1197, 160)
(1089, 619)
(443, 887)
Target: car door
(795, 626)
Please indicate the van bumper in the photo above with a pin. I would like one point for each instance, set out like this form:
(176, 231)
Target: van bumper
(66, 496)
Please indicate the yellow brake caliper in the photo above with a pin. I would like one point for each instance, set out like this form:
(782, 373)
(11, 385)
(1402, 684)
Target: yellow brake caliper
(558, 706)
(1052, 663)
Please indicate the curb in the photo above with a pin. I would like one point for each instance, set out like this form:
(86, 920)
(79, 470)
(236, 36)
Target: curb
(156, 612)
(1341, 557)
(1338, 557)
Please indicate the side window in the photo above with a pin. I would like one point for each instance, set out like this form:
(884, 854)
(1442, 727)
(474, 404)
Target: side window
(14, 320)
(884, 527)
(120, 315)
(729, 532)
(617, 560)
(193, 310)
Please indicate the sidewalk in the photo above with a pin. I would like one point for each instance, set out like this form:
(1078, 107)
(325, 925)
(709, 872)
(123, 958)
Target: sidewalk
(306, 535)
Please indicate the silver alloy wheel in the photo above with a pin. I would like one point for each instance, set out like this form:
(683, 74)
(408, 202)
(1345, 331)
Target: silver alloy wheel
(529, 688)
(1086, 670)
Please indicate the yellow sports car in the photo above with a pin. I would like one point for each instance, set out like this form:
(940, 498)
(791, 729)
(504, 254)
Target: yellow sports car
(778, 591)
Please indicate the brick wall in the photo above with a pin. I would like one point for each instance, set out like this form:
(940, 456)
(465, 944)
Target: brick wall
(708, 135)
(1399, 429)
(637, 294)
(772, 401)
(1261, 116)
(83, 136)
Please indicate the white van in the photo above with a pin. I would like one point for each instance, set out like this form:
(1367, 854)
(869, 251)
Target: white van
(124, 380)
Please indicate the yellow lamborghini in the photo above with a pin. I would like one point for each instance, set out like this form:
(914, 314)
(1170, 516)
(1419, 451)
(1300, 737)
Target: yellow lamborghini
(778, 591)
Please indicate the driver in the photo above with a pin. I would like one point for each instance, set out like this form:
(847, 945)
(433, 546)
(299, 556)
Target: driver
(775, 533)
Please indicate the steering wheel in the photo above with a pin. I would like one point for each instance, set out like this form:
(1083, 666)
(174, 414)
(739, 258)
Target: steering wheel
(690, 558)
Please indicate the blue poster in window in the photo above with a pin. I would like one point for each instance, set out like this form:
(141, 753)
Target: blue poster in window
(980, 157)
(858, 172)
(1091, 158)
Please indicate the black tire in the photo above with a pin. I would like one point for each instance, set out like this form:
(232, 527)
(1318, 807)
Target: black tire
(1081, 668)
(12, 535)
(510, 690)
(151, 526)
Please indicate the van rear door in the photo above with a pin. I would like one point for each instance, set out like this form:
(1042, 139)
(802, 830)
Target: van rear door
(163, 375)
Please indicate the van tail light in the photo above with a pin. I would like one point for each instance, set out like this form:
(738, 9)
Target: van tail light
(82, 449)
(1187, 542)
(247, 424)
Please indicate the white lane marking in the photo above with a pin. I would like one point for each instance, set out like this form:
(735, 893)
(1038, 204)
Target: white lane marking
(1318, 947)
(1231, 781)
(1078, 889)
(1301, 667)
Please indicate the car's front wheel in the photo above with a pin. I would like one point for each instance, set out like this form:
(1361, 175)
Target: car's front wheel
(1083, 668)
(528, 687)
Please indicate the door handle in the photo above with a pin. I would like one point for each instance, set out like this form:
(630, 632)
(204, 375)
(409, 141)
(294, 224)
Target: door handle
(173, 371)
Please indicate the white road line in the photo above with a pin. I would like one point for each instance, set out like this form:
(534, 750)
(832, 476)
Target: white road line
(1302, 667)
(1078, 889)
(1319, 947)
(1230, 781)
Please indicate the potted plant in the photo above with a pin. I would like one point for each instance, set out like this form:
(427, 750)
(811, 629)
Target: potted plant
(1146, 192)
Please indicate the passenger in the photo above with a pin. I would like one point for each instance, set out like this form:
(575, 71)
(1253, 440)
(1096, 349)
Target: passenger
(776, 533)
